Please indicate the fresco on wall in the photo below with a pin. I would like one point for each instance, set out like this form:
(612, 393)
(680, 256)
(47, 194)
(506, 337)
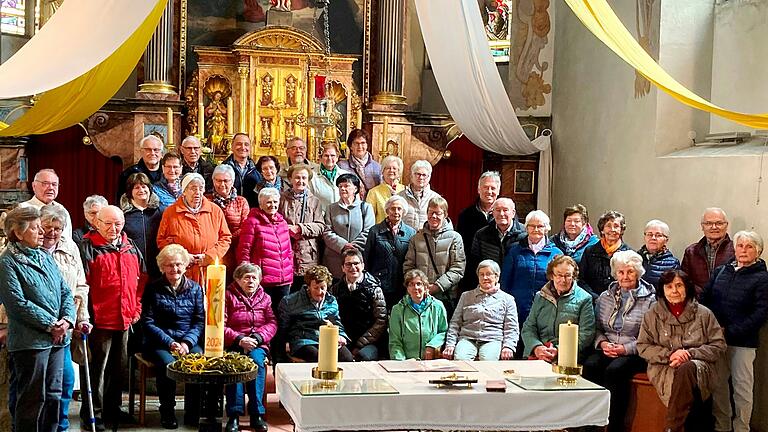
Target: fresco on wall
(531, 32)
(221, 22)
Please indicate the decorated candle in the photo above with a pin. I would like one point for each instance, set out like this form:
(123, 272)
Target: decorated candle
(230, 116)
(215, 280)
(170, 128)
(328, 356)
(568, 348)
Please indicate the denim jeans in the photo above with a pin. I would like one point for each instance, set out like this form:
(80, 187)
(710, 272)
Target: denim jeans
(67, 385)
(38, 388)
(255, 389)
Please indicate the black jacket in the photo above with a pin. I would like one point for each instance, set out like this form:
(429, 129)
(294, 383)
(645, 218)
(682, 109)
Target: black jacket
(595, 268)
(141, 226)
(250, 170)
(140, 167)
(204, 168)
(488, 245)
(384, 256)
(363, 311)
(739, 300)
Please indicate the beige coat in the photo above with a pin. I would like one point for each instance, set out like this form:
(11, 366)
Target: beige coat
(696, 330)
(306, 252)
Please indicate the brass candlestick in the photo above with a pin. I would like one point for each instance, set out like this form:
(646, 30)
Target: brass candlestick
(328, 379)
(567, 374)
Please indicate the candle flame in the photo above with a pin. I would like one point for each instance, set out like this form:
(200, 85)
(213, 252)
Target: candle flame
(217, 263)
(328, 323)
(569, 322)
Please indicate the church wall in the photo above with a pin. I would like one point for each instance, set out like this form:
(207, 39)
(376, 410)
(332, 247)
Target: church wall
(613, 151)
(9, 44)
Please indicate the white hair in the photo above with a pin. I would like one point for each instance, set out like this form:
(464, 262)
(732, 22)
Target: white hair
(396, 199)
(539, 216)
(714, 210)
(93, 200)
(392, 158)
(502, 201)
(421, 164)
(150, 137)
(191, 138)
(491, 264)
(224, 169)
(751, 237)
(628, 258)
(655, 223)
(45, 170)
(268, 192)
(493, 175)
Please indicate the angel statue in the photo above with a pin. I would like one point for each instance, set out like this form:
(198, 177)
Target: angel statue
(281, 5)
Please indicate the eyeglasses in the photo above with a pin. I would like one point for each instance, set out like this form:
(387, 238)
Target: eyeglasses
(352, 264)
(437, 213)
(421, 174)
(54, 229)
(562, 276)
(537, 227)
(195, 149)
(116, 224)
(718, 224)
(655, 235)
(152, 150)
(48, 184)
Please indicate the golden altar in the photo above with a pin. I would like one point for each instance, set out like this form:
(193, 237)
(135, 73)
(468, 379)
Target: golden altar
(273, 84)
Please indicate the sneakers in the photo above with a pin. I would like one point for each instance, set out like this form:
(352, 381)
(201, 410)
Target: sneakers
(258, 424)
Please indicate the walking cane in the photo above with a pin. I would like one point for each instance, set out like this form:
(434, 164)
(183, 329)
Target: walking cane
(92, 418)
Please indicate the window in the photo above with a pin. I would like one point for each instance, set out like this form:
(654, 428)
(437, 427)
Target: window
(14, 15)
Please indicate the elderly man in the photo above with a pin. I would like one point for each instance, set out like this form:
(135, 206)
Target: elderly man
(712, 251)
(91, 207)
(362, 308)
(149, 164)
(360, 161)
(418, 194)
(478, 215)
(240, 160)
(297, 153)
(46, 189)
(493, 240)
(114, 270)
(191, 150)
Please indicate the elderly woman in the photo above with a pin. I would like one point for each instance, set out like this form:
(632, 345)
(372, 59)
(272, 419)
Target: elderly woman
(418, 194)
(559, 301)
(418, 323)
(323, 185)
(683, 345)
(194, 223)
(347, 223)
(235, 207)
(619, 313)
(595, 265)
(173, 319)
(302, 313)
(265, 240)
(576, 234)
(484, 325)
(738, 295)
(41, 311)
(142, 218)
(525, 265)
(391, 170)
(386, 247)
(269, 167)
(168, 188)
(304, 215)
(361, 162)
(67, 257)
(438, 251)
(91, 207)
(657, 259)
(248, 328)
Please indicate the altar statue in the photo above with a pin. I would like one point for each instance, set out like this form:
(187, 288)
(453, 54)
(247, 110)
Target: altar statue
(281, 5)
(216, 125)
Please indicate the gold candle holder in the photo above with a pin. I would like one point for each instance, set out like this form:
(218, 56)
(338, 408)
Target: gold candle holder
(567, 374)
(328, 379)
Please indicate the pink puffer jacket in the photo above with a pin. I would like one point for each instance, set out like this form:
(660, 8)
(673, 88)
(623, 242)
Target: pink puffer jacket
(246, 316)
(266, 242)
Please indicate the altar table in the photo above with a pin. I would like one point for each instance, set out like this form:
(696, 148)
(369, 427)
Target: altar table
(420, 405)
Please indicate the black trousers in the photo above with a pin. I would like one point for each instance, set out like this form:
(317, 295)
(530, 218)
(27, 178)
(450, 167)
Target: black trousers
(615, 374)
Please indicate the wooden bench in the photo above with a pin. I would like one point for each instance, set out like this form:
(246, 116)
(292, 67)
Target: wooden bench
(646, 412)
(146, 371)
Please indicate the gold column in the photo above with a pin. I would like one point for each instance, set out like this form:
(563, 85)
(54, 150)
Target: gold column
(242, 71)
(389, 65)
(158, 58)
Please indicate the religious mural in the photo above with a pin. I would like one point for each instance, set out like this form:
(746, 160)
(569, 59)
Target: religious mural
(221, 22)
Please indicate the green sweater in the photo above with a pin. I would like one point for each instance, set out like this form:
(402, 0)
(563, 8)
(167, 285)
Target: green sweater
(548, 312)
(410, 332)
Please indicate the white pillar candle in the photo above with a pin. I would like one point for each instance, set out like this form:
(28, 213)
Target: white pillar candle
(230, 116)
(328, 356)
(201, 121)
(568, 347)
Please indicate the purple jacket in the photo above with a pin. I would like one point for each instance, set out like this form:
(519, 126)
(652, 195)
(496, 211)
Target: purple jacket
(266, 242)
(246, 316)
(372, 171)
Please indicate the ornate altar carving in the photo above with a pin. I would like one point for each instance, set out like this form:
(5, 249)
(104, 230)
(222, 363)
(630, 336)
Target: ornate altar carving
(272, 74)
(217, 90)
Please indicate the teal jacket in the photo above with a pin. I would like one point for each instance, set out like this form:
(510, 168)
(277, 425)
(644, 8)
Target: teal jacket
(411, 332)
(35, 297)
(548, 312)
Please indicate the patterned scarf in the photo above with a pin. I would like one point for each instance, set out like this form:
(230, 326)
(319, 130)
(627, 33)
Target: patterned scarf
(490, 291)
(571, 246)
(329, 174)
(360, 169)
(173, 188)
(277, 184)
(223, 202)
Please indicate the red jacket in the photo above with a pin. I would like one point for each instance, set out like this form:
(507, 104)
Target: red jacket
(248, 316)
(116, 276)
(266, 242)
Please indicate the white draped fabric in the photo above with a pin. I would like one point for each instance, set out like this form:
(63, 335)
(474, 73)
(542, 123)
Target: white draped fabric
(79, 36)
(471, 85)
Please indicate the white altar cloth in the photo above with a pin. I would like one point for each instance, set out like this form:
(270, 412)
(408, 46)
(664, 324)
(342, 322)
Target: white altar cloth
(420, 405)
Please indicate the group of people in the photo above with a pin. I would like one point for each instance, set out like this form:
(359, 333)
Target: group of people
(346, 242)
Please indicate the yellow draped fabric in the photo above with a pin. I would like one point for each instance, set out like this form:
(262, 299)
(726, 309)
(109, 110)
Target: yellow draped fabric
(602, 21)
(74, 101)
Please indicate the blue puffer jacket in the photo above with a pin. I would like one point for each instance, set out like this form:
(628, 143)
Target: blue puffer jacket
(609, 305)
(35, 297)
(524, 273)
(739, 299)
(169, 316)
(656, 264)
(300, 319)
(384, 257)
